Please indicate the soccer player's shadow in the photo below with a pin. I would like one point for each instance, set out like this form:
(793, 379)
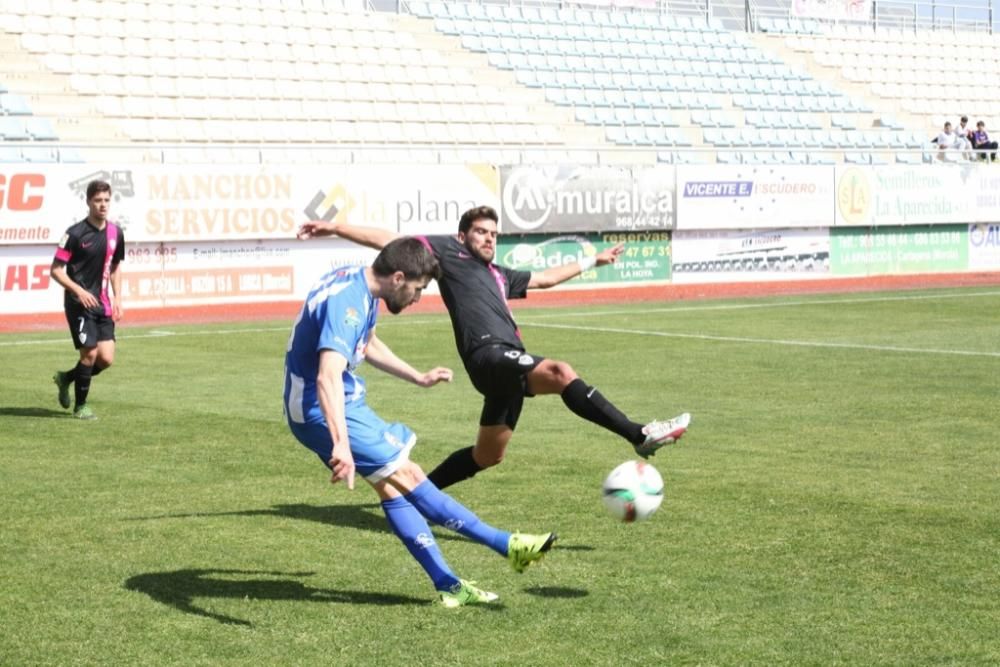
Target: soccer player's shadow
(366, 516)
(180, 588)
(33, 412)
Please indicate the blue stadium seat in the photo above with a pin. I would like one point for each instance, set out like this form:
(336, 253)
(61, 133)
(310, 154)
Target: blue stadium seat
(419, 8)
(821, 158)
(713, 136)
(14, 105)
(616, 134)
(12, 128)
(731, 137)
(858, 139)
(40, 154)
(586, 115)
(70, 155)
(807, 138)
(10, 154)
(604, 115)
(40, 128)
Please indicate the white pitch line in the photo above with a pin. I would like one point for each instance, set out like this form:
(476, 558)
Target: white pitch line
(770, 341)
(775, 304)
(531, 317)
(159, 333)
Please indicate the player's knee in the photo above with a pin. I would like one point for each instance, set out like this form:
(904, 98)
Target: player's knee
(562, 373)
(105, 362)
(488, 459)
(492, 459)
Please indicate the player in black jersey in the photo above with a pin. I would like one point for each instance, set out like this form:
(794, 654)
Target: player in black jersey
(86, 265)
(475, 291)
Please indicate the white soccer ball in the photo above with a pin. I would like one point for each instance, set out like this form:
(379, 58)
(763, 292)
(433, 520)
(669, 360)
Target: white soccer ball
(633, 491)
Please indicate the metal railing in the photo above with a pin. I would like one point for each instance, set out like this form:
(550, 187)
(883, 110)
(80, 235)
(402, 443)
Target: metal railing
(425, 153)
(915, 15)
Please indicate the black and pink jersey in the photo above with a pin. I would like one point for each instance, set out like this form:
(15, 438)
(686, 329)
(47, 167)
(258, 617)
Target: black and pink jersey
(476, 295)
(90, 255)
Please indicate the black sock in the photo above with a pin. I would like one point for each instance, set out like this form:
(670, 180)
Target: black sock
(458, 466)
(97, 370)
(70, 375)
(588, 403)
(81, 386)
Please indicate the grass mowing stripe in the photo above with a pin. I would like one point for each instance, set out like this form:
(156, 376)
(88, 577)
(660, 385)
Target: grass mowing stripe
(765, 341)
(586, 313)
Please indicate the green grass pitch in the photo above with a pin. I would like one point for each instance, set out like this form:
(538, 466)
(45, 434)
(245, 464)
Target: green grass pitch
(836, 501)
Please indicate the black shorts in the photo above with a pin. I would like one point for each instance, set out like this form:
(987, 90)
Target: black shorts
(498, 373)
(88, 327)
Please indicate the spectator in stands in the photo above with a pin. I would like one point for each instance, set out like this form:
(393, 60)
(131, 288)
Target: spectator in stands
(948, 144)
(964, 134)
(981, 142)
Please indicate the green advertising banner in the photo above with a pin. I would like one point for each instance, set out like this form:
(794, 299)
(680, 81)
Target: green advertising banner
(646, 256)
(888, 250)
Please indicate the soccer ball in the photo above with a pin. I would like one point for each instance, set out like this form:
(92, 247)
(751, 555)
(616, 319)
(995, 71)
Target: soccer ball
(633, 491)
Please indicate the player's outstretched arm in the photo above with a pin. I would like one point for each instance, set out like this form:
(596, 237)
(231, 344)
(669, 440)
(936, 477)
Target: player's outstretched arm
(366, 236)
(381, 357)
(560, 274)
(330, 391)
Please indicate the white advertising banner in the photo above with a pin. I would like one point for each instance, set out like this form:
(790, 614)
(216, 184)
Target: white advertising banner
(732, 256)
(26, 286)
(174, 203)
(171, 274)
(158, 275)
(754, 196)
(984, 246)
(917, 194)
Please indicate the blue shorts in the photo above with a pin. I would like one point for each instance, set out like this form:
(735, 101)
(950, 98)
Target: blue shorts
(378, 448)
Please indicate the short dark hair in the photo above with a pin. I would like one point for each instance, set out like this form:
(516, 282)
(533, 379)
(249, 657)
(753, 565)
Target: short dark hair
(947, 123)
(477, 213)
(964, 119)
(410, 255)
(980, 124)
(97, 186)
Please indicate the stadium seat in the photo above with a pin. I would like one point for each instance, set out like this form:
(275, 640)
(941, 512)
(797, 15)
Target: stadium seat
(12, 128)
(10, 154)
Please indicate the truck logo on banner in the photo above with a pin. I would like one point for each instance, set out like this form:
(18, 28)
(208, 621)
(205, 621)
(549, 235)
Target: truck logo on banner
(576, 198)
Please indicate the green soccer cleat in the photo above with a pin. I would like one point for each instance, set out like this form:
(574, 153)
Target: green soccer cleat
(464, 592)
(523, 550)
(60, 379)
(84, 412)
